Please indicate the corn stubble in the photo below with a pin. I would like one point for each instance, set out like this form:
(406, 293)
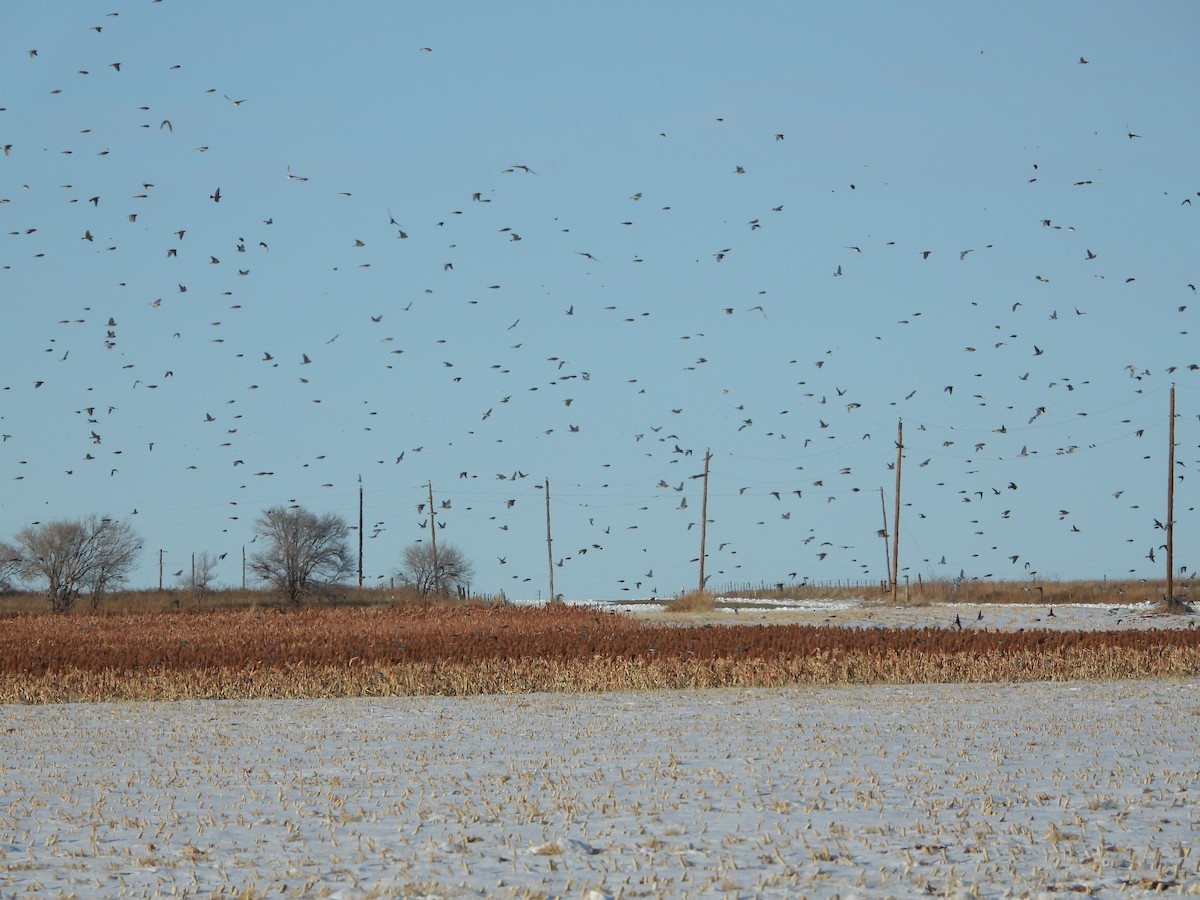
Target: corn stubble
(458, 651)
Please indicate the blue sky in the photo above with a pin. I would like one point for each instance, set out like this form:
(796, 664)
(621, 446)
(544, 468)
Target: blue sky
(772, 233)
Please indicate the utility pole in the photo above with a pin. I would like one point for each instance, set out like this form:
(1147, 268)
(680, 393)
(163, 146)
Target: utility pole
(360, 531)
(887, 556)
(704, 517)
(437, 581)
(549, 548)
(160, 567)
(243, 567)
(1170, 526)
(896, 523)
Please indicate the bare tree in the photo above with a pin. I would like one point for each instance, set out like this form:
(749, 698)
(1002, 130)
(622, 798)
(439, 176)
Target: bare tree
(72, 556)
(9, 560)
(451, 573)
(118, 546)
(303, 552)
(202, 574)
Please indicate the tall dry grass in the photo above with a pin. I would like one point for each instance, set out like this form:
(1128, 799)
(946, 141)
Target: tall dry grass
(427, 649)
(691, 602)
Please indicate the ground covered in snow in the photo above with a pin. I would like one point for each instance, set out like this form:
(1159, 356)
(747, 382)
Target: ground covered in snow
(863, 613)
(996, 790)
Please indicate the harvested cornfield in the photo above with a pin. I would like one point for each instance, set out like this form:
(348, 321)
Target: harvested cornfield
(416, 650)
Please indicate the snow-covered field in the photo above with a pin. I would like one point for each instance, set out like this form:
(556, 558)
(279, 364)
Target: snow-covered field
(982, 790)
(936, 614)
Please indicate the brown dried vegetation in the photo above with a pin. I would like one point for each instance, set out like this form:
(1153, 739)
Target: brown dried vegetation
(692, 601)
(974, 591)
(418, 649)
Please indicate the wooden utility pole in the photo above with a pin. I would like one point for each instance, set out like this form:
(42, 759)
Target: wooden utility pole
(437, 581)
(243, 567)
(896, 522)
(193, 573)
(360, 531)
(549, 548)
(160, 556)
(1170, 526)
(887, 556)
(704, 517)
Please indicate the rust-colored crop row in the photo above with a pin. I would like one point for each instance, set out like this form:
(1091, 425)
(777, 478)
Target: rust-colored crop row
(469, 650)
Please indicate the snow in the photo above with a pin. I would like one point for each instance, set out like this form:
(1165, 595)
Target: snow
(1024, 790)
(934, 614)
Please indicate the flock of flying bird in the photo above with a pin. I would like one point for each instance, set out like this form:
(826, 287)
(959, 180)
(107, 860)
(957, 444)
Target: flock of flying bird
(393, 383)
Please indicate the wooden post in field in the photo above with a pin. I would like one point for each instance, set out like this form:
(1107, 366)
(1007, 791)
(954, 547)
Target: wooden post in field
(887, 556)
(704, 517)
(160, 556)
(1170, 524)
(243, 567)
(360, 530)
(896, 523)
(549, 547)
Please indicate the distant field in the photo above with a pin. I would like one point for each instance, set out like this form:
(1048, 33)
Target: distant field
(735, 595)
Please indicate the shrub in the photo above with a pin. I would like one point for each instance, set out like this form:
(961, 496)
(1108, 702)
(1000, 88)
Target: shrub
(691, 602)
